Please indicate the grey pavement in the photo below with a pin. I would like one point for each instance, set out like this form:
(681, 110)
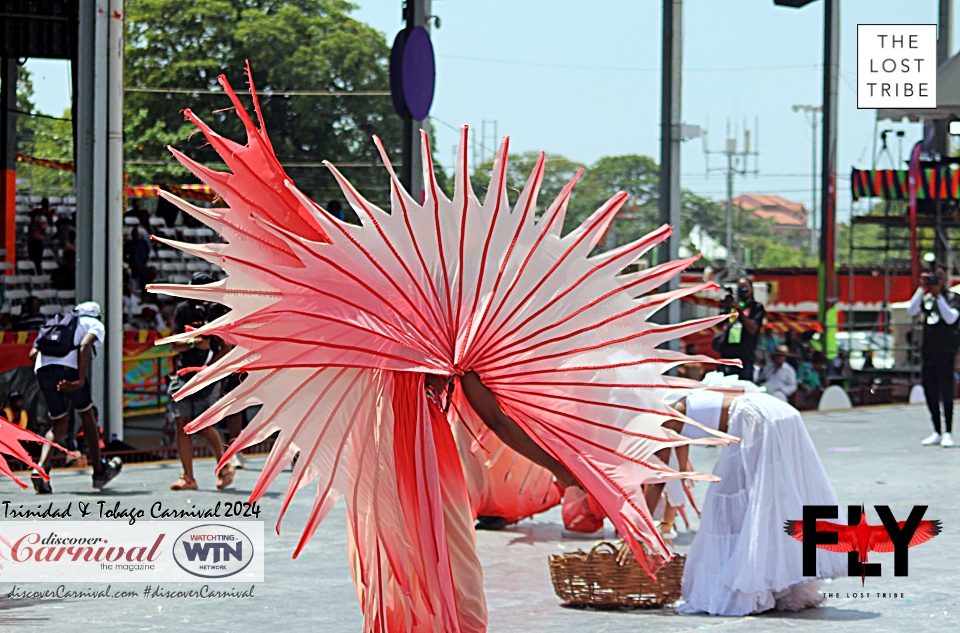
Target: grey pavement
(872, 456)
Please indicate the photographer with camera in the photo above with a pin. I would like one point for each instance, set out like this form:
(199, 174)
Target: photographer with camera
(940, 309)
(739, 337)
(192, 355)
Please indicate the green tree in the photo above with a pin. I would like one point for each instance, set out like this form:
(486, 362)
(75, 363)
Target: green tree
(557, 172)
(42, 136)
(299, 45)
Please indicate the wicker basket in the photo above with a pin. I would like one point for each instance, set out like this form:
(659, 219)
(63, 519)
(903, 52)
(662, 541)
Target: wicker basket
(595, 579)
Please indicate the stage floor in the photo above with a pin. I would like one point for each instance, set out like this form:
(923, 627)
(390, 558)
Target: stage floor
(872, 456)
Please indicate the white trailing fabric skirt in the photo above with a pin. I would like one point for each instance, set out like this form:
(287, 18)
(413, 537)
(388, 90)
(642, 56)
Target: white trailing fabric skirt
(741, 561)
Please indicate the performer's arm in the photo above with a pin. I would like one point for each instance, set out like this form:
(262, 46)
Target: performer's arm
(485, 404)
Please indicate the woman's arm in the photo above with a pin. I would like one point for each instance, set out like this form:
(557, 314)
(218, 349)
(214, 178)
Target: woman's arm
(485, 404)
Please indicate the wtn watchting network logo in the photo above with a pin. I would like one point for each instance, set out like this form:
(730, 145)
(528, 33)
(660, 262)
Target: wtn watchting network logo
(858, 538)
(213, 551)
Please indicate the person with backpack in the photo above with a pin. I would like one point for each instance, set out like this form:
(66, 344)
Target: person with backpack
(939, 309)
(62, 353)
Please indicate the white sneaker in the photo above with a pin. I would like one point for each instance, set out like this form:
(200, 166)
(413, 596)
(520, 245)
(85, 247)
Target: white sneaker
(237, 461)
(933, 438)
(947, 441)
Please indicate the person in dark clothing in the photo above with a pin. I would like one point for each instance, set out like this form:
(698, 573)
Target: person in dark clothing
(136, 253)
(335, 209)
(36, 238)
(192, 355)
(30, 318)
(64, 276)
(939, 308)
(740, 335)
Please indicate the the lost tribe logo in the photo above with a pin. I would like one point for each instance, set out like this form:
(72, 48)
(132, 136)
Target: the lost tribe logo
(858, 538)
(213, 551)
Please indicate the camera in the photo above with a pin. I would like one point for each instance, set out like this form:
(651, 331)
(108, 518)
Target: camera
(931, 280)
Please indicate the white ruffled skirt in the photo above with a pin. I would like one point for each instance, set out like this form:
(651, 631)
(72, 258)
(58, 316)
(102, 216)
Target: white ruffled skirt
(741, 561)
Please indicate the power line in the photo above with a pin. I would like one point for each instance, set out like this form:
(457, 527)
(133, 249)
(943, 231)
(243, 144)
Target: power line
(511, 62)
(268, 93)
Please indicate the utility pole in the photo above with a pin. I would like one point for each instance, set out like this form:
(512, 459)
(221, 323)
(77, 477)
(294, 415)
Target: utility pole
(415, 13)
(671, 74)
(941, 140)
(737, 163)
(812, 112)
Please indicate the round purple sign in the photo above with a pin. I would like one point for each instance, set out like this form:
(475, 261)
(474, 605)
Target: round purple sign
(396, 72)
(418, 76)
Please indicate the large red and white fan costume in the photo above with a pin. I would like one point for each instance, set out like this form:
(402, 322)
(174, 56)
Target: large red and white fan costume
(336, 325)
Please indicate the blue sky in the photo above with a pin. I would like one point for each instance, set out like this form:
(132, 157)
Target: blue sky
(582, 79)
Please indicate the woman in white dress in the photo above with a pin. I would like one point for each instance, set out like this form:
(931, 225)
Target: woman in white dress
(741, 561)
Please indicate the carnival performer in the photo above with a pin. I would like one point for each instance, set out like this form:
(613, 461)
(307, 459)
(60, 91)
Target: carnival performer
(338, 326)
(740, 562)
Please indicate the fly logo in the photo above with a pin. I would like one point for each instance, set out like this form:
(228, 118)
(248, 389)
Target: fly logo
(213, 551)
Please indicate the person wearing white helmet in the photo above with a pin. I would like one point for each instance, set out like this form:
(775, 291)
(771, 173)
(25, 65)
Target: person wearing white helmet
(62, 353)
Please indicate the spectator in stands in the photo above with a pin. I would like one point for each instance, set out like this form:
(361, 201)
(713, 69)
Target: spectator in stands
(148, 319)
(66, 230)
(810, 375)
(30, 318)
(64, 276)
(45, 208)
(868, 359)
(131, 301)
(136, 253)
(142, 215)
(779, 377)
(14, 411)
(742, 330)
(335, 209)
(36, 237)
(70, 241)
(792, 341)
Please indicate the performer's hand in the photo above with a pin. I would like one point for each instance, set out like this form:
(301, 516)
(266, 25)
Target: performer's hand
(565, 479)
(70, 385)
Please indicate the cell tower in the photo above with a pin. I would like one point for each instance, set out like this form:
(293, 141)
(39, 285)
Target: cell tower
(737, 162)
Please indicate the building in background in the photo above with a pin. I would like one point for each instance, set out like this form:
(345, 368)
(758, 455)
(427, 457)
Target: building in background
(790, 219)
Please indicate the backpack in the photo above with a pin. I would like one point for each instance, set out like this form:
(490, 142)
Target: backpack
(57, 334)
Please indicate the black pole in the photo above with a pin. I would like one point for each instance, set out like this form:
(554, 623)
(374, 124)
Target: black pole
(828, 293)
(669, 186)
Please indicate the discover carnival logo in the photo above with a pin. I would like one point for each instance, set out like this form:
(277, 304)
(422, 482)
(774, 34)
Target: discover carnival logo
(101, 551)
(213, 551)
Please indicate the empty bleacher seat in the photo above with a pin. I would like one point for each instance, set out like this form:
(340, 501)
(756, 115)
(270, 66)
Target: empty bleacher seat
(157, 222)
(47, 295)
(131, 221)
(168, 253)
(40, 281)
(26, 266)
(48, 265)
(179, 279)
(16, 296)
(48, 253)
(66, 296)
(51, 309)
(172, 267)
